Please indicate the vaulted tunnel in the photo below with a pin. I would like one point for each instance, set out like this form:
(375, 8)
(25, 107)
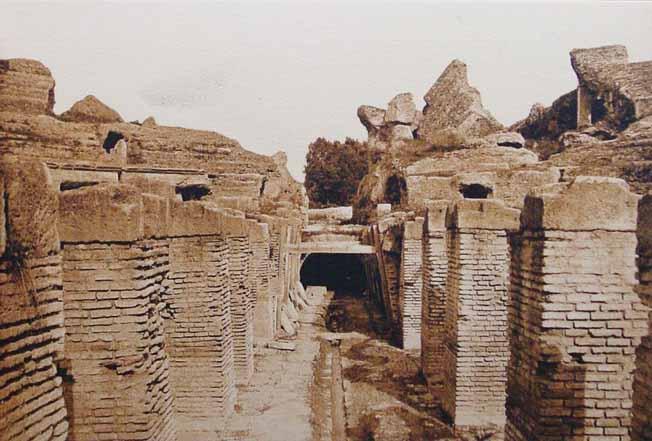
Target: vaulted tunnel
(338, 272)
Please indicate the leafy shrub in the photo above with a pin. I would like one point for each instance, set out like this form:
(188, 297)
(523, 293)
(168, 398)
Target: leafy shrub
(334, 171)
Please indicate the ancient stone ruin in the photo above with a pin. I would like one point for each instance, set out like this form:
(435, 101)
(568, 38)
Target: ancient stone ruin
(162, 283)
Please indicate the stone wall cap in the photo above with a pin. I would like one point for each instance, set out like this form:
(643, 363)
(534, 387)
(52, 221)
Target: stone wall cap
(413, 229)
(101, 213)
(436, 215)
(156, 216)
(482, 214)
(584, 204)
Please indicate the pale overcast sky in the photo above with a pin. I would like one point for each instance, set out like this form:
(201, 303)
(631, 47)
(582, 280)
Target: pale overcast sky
(276, 75)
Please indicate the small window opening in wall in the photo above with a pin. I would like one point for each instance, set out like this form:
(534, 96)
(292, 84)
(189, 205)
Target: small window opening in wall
(475, 191)
(192, 192)
(73, 185)
(111, 140)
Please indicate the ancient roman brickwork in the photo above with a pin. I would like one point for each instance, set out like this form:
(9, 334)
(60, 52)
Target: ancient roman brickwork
(642, 399)
(411, 283)
(433, 303)
(116, 367)
(242, 306)
(476, 347)
(198, 335)
(575, 321)
(264, 311)
(31, 306)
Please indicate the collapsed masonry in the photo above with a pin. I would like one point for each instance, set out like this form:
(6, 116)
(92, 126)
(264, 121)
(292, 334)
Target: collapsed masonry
(139, 265)
(522, 299)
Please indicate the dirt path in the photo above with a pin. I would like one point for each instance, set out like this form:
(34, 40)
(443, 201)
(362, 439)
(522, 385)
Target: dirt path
(275, 406)
(385, 396)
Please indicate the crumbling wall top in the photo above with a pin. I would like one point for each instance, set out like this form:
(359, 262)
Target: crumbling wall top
(91, 110)
(584, 204)
(585, 62)
(27, 87)
(31, 207)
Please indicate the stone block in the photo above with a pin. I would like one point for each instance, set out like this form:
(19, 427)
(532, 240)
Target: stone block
(31, 208)
(586, 203)
(27, 87)
(194, 218)
(483, 214)
(156, 216)
(413, 229)
(102, 213)
(436, 215)
(383, 209)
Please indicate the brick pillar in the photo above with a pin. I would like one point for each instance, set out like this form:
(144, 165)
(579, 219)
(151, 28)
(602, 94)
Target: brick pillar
(642, 399)
(411, 283)
(264, 311)
(198, 322)
(116, 365)
(476, 348)
(31, 306)
(433, 303)
(242, 312)
(574, 318)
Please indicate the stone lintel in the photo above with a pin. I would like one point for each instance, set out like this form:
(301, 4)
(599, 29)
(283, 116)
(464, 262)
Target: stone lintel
(31, 207)
(482, 214)
(585, 204)
(644, 226)
(156, 216)
(101, 213)
(413, 229)
(436, 215)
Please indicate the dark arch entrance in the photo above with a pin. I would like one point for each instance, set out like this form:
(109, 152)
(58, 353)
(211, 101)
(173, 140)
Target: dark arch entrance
(338, 272)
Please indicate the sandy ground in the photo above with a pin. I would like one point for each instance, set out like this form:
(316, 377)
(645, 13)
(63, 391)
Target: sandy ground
(275, 405)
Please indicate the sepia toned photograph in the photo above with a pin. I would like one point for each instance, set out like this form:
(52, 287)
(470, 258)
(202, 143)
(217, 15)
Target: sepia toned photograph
(287, 220)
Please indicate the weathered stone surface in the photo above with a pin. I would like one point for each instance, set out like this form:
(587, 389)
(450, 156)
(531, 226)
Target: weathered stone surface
(586, 62)
(506, 139)
(149, 122)
(452, 103)
(483, 215)
(436, 215)
(401, 110)
(26, 86)
(101, 213)
(91, 110)
(586, 203)
(400, 133)
(3, 221)
(31, 207)
(371, 117)
(156, 216)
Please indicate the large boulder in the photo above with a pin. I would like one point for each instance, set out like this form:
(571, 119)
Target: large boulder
(452, 103)
(401, 109)
(91, 110)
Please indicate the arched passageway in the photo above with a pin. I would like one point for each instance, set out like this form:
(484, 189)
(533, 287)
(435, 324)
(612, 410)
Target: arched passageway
(342, 273)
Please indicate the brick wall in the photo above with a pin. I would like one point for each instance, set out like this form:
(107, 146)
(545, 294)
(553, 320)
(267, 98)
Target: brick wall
(411, 283)
(574, 319)
(242, 306)
(31, 306)
(475, 340)
(642, 399)
(116, 366)
(433, 303)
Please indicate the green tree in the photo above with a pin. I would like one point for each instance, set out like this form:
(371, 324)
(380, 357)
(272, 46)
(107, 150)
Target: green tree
(334, 170)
